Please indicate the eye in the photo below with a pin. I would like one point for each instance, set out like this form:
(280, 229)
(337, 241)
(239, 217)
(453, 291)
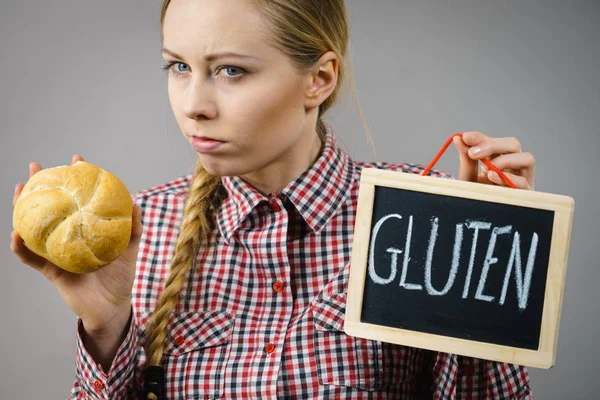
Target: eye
(178, 63)
(229, 69)
(232, 73)
(176, 70)
(179, 69)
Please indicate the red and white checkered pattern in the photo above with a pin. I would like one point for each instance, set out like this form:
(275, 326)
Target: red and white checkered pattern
(230, 311)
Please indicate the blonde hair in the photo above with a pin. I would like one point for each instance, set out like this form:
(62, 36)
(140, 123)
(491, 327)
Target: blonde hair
(303, 30)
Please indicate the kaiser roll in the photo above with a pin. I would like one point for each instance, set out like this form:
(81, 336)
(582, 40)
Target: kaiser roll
(78, 217)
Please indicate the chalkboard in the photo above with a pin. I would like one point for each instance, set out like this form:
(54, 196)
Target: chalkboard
(459, 267)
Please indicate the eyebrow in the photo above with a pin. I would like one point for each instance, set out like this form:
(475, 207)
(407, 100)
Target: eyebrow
(212, 57)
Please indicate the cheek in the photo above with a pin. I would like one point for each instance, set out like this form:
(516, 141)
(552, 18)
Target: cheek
(175, 101)
(268, 109)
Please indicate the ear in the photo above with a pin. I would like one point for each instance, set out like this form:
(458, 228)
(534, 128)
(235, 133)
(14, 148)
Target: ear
(321, 80)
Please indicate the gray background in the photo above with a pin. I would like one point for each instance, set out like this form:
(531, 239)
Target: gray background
(85, 77)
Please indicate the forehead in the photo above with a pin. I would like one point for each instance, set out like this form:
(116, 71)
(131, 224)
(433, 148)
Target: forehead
(204, 26)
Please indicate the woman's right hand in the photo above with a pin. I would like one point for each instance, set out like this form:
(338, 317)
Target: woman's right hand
(102, 299)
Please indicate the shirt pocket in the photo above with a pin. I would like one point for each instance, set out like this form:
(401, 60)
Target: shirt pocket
(196, 352)
(366, 364)
(342, 359)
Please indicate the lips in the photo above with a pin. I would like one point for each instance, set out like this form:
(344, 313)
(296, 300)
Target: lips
(207, 138)
(204, 145)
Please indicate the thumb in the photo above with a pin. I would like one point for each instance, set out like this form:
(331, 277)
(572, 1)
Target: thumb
(468, 167)
(136, 233)
(136, 226)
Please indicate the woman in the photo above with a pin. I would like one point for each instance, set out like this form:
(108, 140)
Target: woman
(234, 282)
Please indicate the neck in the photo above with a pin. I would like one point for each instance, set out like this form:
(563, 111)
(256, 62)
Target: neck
(287, 167)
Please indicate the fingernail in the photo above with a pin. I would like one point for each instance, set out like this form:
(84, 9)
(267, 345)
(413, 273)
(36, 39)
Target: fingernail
(475, 150)
(495, 175)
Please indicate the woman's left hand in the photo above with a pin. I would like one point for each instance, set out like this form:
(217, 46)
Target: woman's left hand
(504, 153)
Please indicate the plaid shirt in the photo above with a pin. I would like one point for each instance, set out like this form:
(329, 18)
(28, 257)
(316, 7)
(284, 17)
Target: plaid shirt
(262, 317)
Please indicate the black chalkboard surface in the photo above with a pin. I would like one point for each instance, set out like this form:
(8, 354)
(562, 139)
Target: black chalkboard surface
(459, 267)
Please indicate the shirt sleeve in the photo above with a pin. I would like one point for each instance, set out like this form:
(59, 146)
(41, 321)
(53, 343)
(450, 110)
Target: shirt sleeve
(457, 377)
(91, 382)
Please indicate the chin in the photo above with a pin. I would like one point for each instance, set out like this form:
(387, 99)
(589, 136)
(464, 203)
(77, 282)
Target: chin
(221, 168)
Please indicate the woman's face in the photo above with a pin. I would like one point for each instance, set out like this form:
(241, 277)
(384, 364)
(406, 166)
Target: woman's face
(255, 101)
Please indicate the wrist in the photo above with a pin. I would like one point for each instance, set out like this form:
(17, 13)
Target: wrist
(102, 343)
(111, 328)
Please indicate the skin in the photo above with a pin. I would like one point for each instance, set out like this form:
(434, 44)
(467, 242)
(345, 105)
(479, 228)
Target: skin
(102, 298)
(266, 110)
(505, 153)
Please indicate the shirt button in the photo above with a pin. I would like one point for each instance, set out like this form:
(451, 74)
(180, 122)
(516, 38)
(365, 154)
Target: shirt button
(278, 286)
(270, 348)
(98, 385)
(275, 205)
(179, 340)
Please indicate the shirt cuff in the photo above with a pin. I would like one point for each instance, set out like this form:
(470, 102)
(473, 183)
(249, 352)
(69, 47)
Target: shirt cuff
(93, 381)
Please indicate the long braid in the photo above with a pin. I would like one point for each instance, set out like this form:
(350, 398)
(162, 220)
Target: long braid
(195, 229)
(304, 30)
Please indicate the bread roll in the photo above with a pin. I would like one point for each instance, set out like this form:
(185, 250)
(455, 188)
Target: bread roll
(78, 217)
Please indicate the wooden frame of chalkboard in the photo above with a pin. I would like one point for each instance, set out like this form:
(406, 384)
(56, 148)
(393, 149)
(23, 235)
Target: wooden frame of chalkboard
(516, 321)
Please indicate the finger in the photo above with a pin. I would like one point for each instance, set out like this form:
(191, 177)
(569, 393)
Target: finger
(515, 161)
(474, 138)
(27, 257)
(492, 146)
(17, 193)
(492, 159)
(131, 252)
(34, 167)
(483, 178)
(76, 157)
(520, 182)
(136, 226)
(468, 167)
(24, 254)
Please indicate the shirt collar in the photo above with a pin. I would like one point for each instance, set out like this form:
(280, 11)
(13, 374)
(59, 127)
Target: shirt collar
(316, 194)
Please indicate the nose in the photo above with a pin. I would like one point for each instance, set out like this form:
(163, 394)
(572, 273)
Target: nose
(199, 100)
